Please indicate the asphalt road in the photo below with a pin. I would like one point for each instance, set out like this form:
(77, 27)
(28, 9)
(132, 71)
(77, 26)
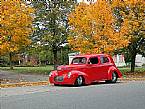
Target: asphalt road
(125, 95)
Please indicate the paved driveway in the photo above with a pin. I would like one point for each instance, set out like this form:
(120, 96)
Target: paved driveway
(125, 95)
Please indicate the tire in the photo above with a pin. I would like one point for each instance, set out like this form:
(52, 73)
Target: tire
(56, 85)
(114, 78)
(79, 81)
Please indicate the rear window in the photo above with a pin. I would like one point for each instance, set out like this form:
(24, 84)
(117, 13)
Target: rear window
(104, 59)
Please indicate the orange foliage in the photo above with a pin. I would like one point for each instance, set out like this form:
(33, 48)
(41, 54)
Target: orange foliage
(92, 29)
(135, 17)
(16, 25)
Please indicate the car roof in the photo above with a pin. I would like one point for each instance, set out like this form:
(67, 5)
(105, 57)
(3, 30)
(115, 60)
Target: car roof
(91, 55)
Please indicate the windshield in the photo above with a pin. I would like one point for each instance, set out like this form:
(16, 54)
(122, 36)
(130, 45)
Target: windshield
(79, 60)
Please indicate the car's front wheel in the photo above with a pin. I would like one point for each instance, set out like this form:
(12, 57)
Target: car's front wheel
(114, 78)
(56, 85)
(79, 81)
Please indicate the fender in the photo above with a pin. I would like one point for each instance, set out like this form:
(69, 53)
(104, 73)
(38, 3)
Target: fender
(54, 72)
(113, 69)
(76, 73)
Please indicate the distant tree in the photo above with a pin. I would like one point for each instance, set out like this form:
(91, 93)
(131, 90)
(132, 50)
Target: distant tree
(51, 24)
(15, 26)
(43, 54)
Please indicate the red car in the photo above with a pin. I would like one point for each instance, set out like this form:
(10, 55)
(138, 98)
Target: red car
(85, 69)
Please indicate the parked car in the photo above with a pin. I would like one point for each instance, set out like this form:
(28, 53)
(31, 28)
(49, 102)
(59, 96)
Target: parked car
(85, 69)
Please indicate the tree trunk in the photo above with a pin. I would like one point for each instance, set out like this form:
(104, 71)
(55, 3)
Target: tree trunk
(11, 65)
(133, 62)
(55, 59)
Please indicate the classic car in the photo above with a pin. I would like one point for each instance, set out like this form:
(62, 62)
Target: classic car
(86, 69)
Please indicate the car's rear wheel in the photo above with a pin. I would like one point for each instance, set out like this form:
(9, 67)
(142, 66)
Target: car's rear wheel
(114, 78)
(79, 81)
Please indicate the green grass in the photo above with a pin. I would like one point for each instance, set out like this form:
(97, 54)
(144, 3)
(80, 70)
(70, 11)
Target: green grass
(127, 69)
(30, 70)
(137, 70)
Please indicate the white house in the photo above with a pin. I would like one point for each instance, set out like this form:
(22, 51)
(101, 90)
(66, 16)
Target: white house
(139, 60)
(119, 60)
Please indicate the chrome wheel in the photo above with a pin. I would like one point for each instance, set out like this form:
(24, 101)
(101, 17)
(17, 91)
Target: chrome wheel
(114, 77)
(79, 81)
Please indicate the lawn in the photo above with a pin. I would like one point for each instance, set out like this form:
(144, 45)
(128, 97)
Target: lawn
(30, 70)
(127, 69)
(138, 73)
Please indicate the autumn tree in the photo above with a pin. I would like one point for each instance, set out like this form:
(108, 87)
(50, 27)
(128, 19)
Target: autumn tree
(15, 26)
(134, 12)
(94, 29)
(51, 24)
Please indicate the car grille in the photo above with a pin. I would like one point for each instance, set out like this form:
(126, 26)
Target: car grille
(58, 78)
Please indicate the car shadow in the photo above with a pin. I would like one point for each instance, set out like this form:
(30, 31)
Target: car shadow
(87, 85)
(102, 83)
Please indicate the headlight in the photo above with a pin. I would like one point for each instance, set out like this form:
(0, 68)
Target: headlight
(50, 74)
(69, 74)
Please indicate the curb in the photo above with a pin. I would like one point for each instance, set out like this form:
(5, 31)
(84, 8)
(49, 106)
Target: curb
(24, 84)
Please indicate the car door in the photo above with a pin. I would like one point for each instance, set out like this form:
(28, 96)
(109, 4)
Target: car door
(104, 67)
(93, 68)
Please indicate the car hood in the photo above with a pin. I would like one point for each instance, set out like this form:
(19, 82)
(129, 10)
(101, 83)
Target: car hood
(63, 69)
(69, 67)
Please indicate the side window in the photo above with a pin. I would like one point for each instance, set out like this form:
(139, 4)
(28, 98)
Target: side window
(94, 60)
(104, 59)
